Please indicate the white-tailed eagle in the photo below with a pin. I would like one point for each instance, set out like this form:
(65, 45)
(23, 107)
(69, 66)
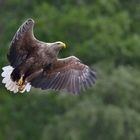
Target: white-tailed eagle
(35, 63)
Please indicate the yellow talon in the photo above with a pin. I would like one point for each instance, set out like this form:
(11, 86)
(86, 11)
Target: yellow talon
(21, 88)
(20, 82)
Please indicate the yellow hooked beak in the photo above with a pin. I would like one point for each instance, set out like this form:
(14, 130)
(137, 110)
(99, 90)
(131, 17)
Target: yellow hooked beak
(61, 44)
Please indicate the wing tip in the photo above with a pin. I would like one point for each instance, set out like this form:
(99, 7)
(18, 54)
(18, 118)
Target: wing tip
(30, 21)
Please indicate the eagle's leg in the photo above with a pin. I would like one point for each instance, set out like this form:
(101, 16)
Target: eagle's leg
(20, 81)
(21, 84)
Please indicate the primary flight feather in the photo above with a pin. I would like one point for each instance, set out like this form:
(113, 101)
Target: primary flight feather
(35, 63)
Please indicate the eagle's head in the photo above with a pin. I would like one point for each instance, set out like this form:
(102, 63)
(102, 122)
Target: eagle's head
(58, 45)
(55, 47)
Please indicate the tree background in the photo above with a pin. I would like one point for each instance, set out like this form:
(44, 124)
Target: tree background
(104, 34)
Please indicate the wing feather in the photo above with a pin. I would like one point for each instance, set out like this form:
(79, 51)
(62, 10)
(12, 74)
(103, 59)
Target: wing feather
(66, 74)
(22, 43)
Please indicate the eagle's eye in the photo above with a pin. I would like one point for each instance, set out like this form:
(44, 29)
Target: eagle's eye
(58, 43)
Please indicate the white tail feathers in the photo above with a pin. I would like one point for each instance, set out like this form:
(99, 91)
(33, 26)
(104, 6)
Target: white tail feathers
(9, 84)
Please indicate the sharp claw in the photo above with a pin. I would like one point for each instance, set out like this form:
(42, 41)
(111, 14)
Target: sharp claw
(20, 82)
(21, 88)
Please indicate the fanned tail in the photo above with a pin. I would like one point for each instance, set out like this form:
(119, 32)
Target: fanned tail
(9, 84)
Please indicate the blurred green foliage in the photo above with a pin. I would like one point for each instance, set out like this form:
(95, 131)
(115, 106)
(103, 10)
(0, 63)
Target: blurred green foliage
(104, 34)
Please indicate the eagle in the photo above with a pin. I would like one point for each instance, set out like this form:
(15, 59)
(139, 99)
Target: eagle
(36, 63)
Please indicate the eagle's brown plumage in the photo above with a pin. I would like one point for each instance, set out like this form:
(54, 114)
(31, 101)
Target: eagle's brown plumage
(38, 64)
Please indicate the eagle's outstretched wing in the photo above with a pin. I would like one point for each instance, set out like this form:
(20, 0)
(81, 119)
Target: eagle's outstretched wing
(22, 43)
(68, 73)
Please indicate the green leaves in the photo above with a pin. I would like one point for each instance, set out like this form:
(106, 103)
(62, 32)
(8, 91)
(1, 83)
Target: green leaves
(104, 34)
